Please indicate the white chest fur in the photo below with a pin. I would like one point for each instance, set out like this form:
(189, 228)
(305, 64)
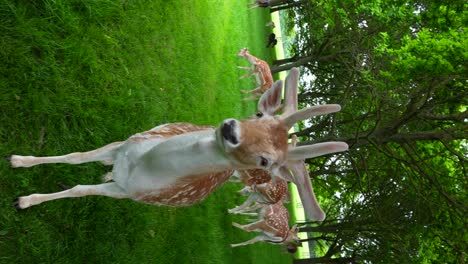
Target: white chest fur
(155, 163)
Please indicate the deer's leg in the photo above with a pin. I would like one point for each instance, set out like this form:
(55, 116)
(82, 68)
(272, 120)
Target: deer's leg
(256, 239)
(253, 97)
(254, 207)
(235, 177)
(105, 189)
(246, 213)
(243, 205)
(104, 154)
(257, 91)
(247, 190)
(247, 74)
(250, 73)
(255, 226)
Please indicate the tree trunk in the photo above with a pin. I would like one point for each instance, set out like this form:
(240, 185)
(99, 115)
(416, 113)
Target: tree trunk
(277, 5)
(296, 63)
(284, 61)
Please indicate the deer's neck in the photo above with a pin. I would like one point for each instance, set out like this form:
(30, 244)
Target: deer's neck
(253, 60)
(187, 154)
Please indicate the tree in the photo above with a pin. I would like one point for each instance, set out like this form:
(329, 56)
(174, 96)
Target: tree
(398, 68)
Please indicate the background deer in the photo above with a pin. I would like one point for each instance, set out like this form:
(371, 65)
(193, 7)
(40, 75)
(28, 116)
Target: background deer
(180, 164)
(273, 223)
(261, 70)
(261, 189)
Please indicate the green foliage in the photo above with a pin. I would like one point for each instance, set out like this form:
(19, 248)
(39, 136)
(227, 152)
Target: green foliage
(398, 69)
(76, 75)
(428, 53)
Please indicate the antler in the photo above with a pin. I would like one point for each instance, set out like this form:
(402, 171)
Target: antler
(295, 170)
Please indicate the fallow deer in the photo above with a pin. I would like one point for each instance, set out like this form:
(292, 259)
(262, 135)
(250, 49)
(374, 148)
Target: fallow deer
(180, 164)
(261, 190)
(262, 72)
(273, 223)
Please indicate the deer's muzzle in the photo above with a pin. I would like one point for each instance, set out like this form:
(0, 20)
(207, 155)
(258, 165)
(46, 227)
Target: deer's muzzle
(230, 131)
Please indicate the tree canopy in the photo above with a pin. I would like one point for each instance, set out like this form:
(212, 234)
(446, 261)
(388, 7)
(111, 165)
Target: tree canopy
(398, 69)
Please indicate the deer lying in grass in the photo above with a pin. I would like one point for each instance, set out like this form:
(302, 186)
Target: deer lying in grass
(261, 70)
(273, 223)
(180, 164)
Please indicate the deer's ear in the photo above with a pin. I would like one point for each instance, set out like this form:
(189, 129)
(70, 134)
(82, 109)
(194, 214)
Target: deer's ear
(270, 101)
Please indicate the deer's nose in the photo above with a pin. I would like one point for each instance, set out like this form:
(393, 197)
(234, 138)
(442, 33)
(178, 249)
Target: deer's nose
(229, 131)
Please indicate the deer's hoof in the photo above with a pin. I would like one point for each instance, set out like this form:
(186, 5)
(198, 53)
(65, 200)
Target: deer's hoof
(63, 186)
(16, 204)
(15, 161)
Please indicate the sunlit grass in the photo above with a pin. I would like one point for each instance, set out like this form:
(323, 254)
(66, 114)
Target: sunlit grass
(75, 75)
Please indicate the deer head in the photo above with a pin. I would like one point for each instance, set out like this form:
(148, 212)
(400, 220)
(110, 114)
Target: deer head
(261, 141)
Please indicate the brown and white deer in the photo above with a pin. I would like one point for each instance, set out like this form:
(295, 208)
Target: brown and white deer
(180, 164)
(261, 70)
(273, 223)
(261, 190)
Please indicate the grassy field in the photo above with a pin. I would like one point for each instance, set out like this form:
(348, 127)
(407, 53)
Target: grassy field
(75, 75)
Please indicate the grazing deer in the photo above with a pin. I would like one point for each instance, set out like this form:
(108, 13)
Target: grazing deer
(261, 190)
(180, 164)
(262, 72)
(273, 223)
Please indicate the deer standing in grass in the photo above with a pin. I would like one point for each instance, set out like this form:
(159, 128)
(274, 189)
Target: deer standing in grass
(261, 189)
(261, 70)
(273, 223)
(180, 164)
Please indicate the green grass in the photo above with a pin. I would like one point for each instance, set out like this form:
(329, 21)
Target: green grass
(75, 75)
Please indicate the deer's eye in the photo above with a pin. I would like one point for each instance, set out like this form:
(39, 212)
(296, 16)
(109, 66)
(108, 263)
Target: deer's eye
(263, 162)
(259, 114)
